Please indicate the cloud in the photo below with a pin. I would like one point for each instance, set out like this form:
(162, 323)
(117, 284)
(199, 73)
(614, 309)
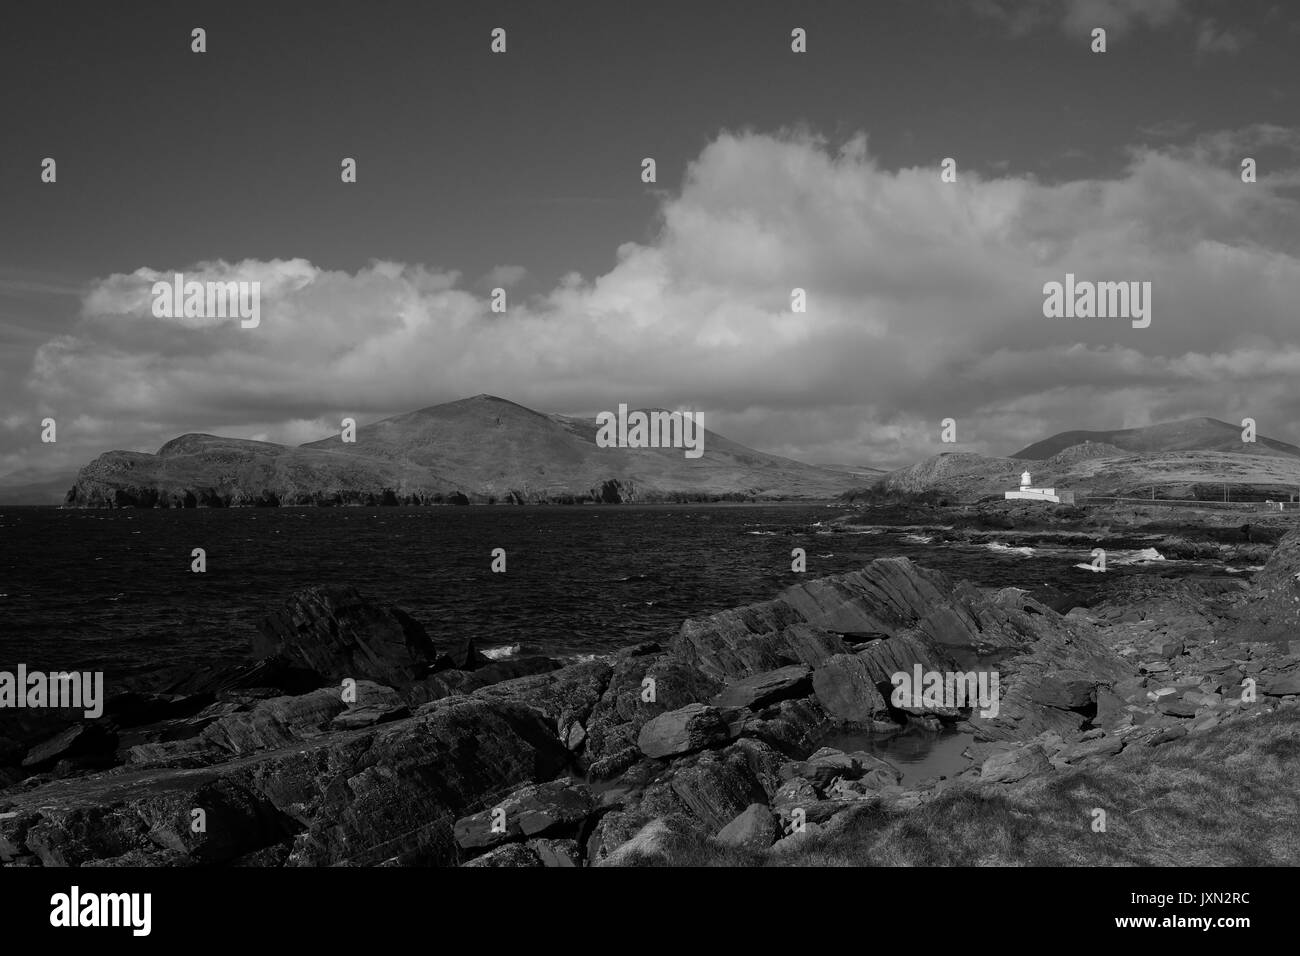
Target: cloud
(504, 277)
(1079, 17)
(924, 302)
(1210, 39)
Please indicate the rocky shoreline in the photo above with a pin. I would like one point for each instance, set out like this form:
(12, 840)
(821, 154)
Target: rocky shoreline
(354, 738)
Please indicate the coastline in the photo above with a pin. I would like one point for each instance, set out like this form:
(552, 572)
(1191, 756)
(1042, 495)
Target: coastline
(716, 764)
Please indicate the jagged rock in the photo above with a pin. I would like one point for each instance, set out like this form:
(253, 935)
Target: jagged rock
(565, 695)
(769, 687)
(886, 657)
(355, 797)
(614, 764)
(763, 760)
(643, 685)
(716, 787)
(793, 726)
(235, 821)
(334, 631)
(354, 718)
(755, 828)
(680, 731)
(844, 687)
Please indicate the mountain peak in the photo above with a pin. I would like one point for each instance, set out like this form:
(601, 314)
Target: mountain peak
(1188, 434)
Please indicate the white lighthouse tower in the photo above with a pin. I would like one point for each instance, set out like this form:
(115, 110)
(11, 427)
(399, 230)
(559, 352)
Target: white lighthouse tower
(1029, 493)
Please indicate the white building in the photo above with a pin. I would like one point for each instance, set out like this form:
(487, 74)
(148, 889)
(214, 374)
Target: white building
(1028, 493)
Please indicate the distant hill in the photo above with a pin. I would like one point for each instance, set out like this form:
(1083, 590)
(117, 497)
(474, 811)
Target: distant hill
(1193, 434)
(34, 488)
(477, 449)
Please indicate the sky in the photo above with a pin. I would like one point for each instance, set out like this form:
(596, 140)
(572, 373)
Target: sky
(522, 170)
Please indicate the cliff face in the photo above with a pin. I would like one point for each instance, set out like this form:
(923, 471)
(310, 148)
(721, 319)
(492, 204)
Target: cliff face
(475, 450)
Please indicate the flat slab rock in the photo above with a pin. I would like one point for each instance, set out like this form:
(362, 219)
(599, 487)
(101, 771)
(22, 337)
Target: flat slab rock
(767, 688)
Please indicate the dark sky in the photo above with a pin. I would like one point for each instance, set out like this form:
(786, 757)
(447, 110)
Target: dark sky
(470, 161)
(467, 159)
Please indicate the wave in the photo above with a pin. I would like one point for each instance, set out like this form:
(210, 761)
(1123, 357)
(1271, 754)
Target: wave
(1124, 558)
(1008, 549)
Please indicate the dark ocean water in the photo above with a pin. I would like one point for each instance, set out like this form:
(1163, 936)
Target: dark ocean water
(113, 590)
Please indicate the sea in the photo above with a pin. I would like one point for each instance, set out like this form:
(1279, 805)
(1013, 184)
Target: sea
(113, 590)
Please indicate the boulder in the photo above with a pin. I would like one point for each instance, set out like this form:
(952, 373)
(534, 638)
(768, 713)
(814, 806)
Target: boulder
(681, 731)
(844, 687)
(1013, 765)
(1065, 690)
(792, 727)
(716, 788)
(754, 828)
(336, 632)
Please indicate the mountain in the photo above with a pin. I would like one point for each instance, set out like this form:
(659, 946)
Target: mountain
(478, 449)
(1192, 434)
(1104, 470)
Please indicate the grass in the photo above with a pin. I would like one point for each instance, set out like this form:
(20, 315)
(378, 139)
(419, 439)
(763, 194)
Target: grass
(1226, 797)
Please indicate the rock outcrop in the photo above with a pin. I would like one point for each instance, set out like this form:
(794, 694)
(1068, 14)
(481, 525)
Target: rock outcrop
(359, 742)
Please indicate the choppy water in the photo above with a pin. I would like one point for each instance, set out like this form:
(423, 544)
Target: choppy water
(113, 590)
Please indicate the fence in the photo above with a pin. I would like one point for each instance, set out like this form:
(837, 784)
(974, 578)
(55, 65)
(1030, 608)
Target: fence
(1250, 504)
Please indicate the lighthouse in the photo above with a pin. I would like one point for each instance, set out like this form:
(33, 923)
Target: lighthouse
(1028, 492)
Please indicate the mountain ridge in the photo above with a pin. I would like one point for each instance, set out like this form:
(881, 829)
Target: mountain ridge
(1188, 434)
(478, 449)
